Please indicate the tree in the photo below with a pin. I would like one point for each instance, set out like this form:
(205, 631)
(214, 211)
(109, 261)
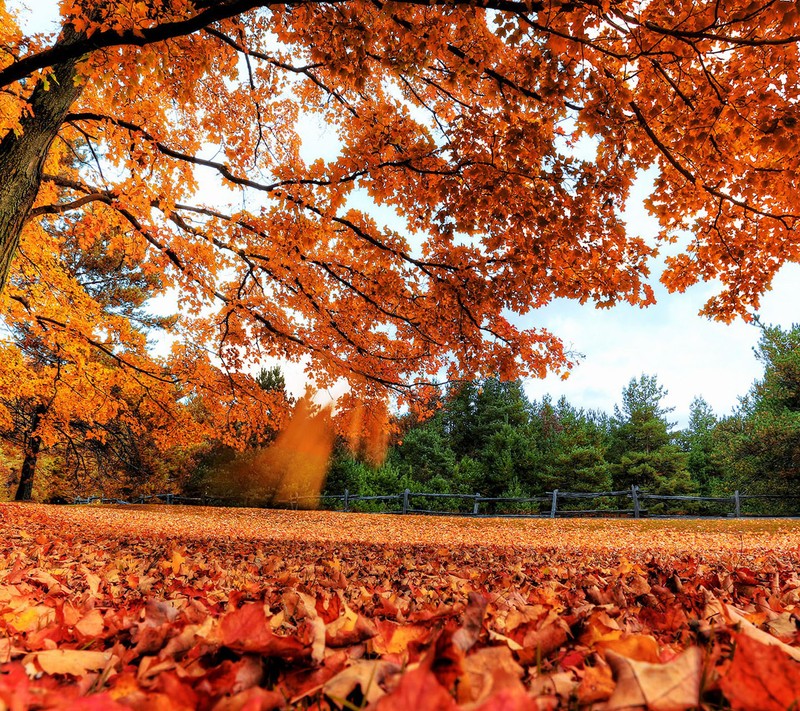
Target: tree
(488, 423)
(697, 440)
(571, 447)
(765, 449)
(226, 467)
(642, 451)
(459, 116)
(426, 454)
(79, 380)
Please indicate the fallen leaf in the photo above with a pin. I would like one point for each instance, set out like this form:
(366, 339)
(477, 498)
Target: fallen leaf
(467, 635)
(642, 648)
(418, 689)
(486, 672)
(717, 611)
(69, 661)
(246, 630)
(393, 638)
(91, 624)
(674, 686)
(365, 675)
(761, 678)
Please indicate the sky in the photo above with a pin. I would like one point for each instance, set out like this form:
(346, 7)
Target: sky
(690, 355)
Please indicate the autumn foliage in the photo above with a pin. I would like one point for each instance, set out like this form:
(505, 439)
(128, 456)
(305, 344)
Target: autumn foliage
(476, 162)
(114, 608)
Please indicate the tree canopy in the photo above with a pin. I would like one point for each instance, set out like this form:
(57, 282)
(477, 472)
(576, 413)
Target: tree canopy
(461, 118)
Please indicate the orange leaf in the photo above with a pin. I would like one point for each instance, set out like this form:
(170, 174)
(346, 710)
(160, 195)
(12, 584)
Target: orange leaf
(393, 638)
(418, 689)
(641, 647)
(761, 678)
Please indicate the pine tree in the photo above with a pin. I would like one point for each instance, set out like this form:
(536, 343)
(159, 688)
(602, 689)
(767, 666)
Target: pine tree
(642, 451)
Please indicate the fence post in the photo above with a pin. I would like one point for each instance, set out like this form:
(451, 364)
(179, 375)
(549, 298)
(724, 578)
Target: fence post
(346, 500)
(554, 504)
(635, 495)
(405, 500)
(736, 506)
(476, 505)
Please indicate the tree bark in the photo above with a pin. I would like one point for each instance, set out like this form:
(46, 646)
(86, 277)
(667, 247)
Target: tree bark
(22, 155)
(32, 447)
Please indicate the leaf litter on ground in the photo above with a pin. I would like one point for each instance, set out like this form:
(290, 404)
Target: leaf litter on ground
(107, 607)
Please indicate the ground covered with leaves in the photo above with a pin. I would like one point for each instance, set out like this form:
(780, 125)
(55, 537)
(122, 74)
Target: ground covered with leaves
(198, 608)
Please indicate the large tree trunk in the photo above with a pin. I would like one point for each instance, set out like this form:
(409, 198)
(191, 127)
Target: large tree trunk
(32, 447)
(22, 156)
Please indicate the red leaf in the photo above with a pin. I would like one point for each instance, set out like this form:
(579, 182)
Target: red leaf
(246, 630)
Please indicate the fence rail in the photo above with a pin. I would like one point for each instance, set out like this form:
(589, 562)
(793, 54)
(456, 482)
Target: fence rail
(487, 506)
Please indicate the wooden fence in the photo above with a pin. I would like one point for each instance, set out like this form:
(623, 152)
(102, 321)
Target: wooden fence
(632, 502)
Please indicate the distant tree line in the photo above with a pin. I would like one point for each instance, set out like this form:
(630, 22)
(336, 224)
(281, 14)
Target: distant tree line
(489, 437)
(484, 437)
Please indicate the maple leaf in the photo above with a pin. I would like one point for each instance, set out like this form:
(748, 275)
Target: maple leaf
(418, 688)
(718, 611)
(91, 624)
(488, 672)
(394, 638)
(467, 635)
(761, 678)
(642, 648)
(246, 629)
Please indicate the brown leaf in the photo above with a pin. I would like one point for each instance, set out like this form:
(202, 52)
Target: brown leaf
(486, 672)
(70, 661)
(366, 675)
(674, 686)
(718, 612)
(466, 636)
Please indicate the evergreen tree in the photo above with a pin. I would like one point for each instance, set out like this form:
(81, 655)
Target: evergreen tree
(642, 451)
(766, 449)
(488, 425)
(697, 440)
(571, 448)
(425, 454)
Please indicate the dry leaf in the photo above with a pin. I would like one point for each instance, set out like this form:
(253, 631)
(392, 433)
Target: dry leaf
(70, 661)
(674, 686)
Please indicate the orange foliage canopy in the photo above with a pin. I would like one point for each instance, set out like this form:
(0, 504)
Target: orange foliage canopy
(454, 122)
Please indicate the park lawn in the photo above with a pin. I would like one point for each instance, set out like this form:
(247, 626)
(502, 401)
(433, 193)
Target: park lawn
(113, 607)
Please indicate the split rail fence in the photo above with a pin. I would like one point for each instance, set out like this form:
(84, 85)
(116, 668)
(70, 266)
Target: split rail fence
(633, 502)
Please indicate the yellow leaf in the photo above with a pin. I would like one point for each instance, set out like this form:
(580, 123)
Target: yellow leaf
(176, 561)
